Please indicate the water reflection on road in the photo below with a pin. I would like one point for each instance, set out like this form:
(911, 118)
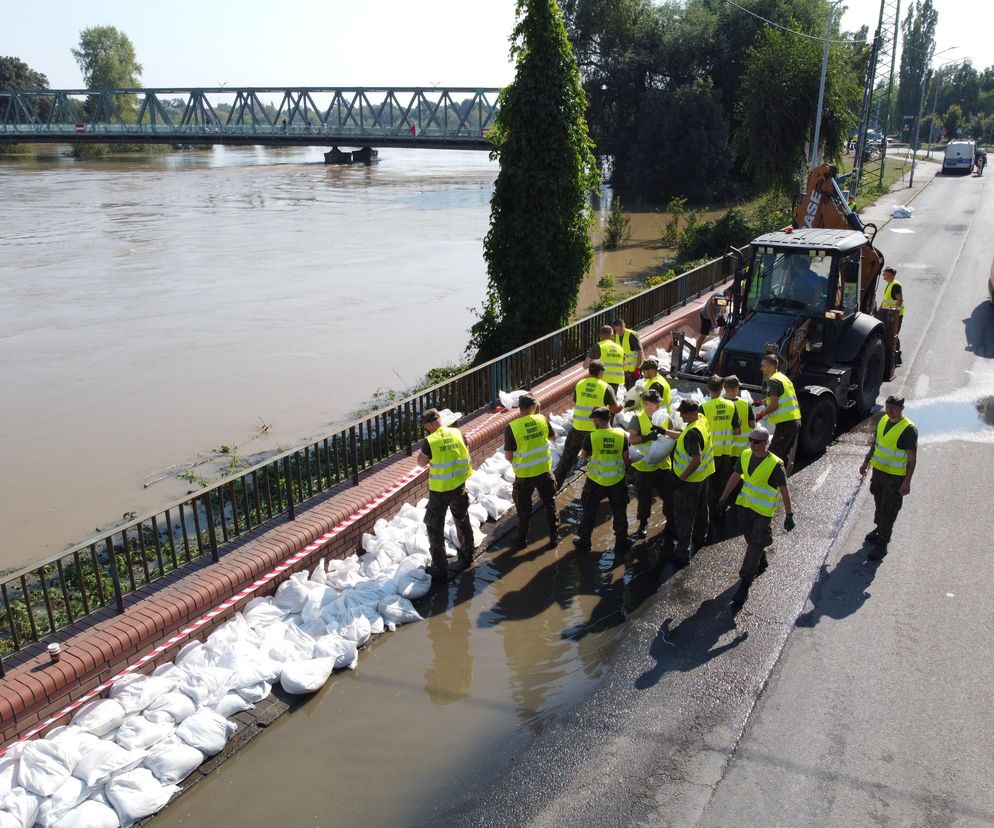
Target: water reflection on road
(506, 646)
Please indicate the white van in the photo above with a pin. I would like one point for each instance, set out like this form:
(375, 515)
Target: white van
(959, 157)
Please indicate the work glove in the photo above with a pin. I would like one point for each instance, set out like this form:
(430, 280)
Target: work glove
(652, 435)
(637, 373)
(788, 522)
(720, 508)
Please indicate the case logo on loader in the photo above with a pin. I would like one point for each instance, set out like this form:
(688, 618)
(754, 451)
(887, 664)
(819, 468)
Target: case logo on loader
(814, 202)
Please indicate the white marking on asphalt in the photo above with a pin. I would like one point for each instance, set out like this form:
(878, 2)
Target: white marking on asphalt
(921, 386)
(822, 478)
(900, 230)
(950, 595)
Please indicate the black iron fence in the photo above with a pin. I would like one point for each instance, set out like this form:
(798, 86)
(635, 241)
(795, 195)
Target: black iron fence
(46, 597)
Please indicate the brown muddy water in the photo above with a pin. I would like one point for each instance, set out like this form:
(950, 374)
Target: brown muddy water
(443, 702)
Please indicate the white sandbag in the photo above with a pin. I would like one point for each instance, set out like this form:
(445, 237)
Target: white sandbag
(8, 820)
(68, 796)
(138, 733)
(902, 211)
(255, 693)
(206, 730)
(319, 576)
(306, 676)
(75, 741)
(447, 417)
(291, 595)
(344, 653)
(414, 584)
(417, 544)
(248, 664)
(231, 704)
(135, 692)
(509, 399)
(479, 511)
(397, 610)
(207, 686)
(509, 475)
(653, 452)
(99, 717)
(354, 627)
(138, 794)
(44, 765)
(8, 774)
(106, 759)
(194, 656)
(344, 573)
(295, 646)
(89, 814)
(172, 760)
(172, 707)
(261, 612)
(496, 506)
(22, 806)
(235, 631)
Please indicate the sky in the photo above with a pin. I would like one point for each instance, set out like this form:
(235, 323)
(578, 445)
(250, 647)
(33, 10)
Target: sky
(184, 43)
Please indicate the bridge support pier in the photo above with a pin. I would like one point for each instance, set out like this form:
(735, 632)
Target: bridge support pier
(336, 156)
(366, 155)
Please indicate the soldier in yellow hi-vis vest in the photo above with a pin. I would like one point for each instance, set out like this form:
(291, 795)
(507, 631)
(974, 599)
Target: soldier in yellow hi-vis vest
(606, 449)
(894, 298)
(650, 374)
(589, 393)
(632, 346)
(693, 464)
(652, 479)
(764, 483)
(725, 424)
(892, 455)
(527, 447)
(611, 354)
(445, 453)
(782, 408)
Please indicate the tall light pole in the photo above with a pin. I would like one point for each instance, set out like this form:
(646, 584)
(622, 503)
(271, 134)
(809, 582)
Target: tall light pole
(935, 101)
(821, 87)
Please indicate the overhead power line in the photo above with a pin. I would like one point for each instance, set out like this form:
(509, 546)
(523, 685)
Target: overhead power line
(819, 38)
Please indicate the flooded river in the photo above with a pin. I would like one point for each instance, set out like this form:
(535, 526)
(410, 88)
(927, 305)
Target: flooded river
(155, 309)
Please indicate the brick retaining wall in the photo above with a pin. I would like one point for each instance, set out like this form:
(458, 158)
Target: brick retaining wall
(102, 645)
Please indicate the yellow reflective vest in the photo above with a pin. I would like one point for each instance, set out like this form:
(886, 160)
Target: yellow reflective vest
(450, 465)
(662, 386)
(645, 426)
(887, 457)
(613, 357)
(757, 493)
(532, 453)
(631, 356)
(740, 442)
(719, 414)
(588, 395)
(889, 300)
(681, 459)
(788, 407)
(606, 465)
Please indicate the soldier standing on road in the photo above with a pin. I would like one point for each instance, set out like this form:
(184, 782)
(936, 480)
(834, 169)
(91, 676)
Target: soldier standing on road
(764, 483)
(590, 392)
(652, 478)
(782, 408)
(893, 454)
(445, 453)
(632, 346)
(725, 425)
(606, 449)
(609, 353)
(693, 464)
(894, 298)
(526, 447)
(747, 419)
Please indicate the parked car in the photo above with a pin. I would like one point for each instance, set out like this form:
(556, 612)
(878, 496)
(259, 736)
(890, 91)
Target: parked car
(959, 157)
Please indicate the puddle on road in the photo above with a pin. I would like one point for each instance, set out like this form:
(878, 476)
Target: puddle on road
(452, 698)
(941, 420)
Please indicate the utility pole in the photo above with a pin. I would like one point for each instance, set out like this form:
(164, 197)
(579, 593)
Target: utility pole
(918, 120)
(821, 87)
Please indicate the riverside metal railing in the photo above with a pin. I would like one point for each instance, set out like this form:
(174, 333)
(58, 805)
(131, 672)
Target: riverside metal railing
(43, 598)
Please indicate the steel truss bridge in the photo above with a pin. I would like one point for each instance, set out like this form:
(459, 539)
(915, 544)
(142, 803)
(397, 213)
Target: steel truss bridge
(450, 118)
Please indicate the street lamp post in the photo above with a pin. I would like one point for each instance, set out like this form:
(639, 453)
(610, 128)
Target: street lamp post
(918, 120)
(821, 87)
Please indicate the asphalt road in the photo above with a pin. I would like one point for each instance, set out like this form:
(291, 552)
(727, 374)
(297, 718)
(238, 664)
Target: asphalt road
(846, 692)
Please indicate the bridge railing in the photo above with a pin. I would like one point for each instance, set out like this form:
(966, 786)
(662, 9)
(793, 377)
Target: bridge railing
(99, 573)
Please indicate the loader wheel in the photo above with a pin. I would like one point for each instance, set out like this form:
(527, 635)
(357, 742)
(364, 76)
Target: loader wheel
(869, 376)
(818, 420)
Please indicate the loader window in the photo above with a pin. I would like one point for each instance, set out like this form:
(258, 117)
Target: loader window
(789, 283)
(849, 280)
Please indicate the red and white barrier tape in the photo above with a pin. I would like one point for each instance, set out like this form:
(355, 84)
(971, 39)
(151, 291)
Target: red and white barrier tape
(234, 599)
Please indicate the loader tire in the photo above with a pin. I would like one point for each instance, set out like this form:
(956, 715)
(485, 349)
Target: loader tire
(869, 375)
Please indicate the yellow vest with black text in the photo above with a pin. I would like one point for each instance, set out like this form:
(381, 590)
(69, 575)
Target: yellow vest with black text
(662, 386)
(613, 357)
(532, 454)
(450, 465)
(645, 426)
(588, 394)
(681, 460)
(887, 457)
(606, 465)
(889, 300)
(788, 407)
(757, 493)
(719, 414)
(631, 356)
(740, 442)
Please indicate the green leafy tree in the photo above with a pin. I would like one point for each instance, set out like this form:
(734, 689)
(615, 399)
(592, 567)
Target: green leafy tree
(538, 248)
(16, 74)
(618, 230)
(107, 60)
(952, 121)
(918, 45)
